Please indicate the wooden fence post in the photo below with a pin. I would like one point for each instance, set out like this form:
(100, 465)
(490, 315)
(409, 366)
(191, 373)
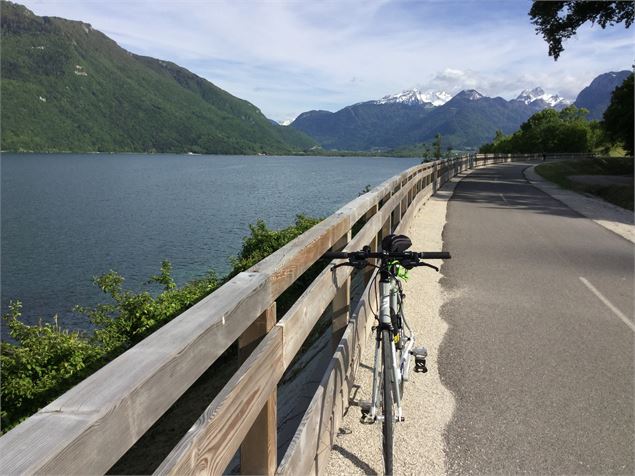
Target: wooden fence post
(368, 271)
(259, 449)
(435, 176)
(340, 306)
(405, 203)
(385, 229)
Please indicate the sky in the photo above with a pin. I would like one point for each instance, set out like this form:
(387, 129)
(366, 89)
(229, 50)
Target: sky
(291, 56)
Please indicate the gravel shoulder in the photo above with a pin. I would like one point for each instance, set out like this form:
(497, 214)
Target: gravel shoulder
(428, 405)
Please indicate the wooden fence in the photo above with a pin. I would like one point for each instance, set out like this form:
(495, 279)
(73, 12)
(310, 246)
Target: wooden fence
(90, 427)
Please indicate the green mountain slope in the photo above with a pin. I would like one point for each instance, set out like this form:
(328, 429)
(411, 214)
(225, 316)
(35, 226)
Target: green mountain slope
(596, 97)
(363, 126)
(68, 87)
(466, 121)
(469, 119)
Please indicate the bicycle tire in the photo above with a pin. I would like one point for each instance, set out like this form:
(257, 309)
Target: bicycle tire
(387, 404)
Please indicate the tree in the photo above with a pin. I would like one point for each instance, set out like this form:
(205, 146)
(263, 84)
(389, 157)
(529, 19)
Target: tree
(559, 20)
(437, 146)
(427, 153)
(549, 131)
(618, 117)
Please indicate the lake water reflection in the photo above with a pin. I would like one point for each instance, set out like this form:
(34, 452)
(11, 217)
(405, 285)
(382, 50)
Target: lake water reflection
(69, 217)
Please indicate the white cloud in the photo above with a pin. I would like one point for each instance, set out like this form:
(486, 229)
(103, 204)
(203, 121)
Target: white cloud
(287, 57)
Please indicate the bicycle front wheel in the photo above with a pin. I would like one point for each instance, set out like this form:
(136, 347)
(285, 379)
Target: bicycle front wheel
(387, 402)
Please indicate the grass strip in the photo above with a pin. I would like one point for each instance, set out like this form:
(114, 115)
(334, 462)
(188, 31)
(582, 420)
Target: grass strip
(617, 194)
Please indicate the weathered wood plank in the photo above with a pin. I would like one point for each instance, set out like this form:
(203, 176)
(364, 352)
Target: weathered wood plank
(259, 449)
(340, 305)
(308, 451)
(326, 429)
(288, 263)
(333, 399)
(263, 433)
(211, 443)
(309, 302)
(99, 419)
(373, 243)
(300, 319)
(103, 416)
(300, 456)
(252, 336)
(303, 315)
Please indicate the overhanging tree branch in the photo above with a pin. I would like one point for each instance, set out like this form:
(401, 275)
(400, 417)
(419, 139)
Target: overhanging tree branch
(557, 21)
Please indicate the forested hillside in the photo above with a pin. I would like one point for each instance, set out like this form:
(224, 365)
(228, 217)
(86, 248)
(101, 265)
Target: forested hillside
(68, 87)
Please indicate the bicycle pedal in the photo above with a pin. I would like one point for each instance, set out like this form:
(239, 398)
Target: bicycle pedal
(367, 420)
(420, 354)
(365, 406)
(420, 365)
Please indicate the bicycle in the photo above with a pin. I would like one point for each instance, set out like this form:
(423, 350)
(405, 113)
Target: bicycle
(394, 338)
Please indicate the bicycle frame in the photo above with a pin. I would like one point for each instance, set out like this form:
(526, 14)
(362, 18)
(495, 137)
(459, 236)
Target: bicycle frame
(394, 346)
(397, 371)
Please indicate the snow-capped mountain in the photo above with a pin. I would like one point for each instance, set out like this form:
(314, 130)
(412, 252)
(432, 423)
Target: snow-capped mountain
(538, 94)
(466, 120)
(415, 96)
(469, 94)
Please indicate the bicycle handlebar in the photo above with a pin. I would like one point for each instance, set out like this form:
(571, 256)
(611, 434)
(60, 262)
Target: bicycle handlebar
(385, 254)
(434, 255)
(336, 255)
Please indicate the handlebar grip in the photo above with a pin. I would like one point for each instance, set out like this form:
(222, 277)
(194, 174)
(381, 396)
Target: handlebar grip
(336, 255)
(434, 255)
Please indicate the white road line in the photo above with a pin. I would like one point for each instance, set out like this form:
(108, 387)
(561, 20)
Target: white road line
(608, 303)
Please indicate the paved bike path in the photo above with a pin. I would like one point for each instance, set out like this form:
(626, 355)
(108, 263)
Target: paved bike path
(540, 348)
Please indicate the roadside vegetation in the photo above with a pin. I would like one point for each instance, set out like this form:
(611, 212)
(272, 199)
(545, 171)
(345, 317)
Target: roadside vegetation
(45, 360)
(549, 131)
(563, 173)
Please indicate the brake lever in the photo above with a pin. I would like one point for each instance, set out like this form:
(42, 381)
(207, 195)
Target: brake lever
(421, 263)
(354, 264)
(335, 266)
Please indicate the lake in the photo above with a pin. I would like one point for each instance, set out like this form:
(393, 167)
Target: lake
(68, 217)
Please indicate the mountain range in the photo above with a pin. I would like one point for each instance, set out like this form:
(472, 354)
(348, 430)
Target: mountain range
(68, 87)
(594, 97)
(465, 120)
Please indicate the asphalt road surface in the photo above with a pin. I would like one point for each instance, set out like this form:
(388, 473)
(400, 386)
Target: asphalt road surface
(540, 349)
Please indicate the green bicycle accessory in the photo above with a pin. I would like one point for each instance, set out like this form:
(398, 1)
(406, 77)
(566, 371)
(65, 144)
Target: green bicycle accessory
(400, 271)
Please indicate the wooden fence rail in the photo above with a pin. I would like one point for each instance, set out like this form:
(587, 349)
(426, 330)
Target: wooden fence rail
(90, 427)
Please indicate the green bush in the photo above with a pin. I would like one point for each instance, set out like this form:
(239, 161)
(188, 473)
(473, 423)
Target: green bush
(550, 131)
(46, 360)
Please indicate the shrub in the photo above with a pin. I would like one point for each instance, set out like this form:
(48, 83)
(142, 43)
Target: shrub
(46, 360)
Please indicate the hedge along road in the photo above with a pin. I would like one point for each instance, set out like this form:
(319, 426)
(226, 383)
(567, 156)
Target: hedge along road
(540, 347)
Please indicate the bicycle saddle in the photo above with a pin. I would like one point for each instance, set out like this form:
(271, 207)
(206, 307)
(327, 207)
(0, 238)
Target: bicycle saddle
(395, 243)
